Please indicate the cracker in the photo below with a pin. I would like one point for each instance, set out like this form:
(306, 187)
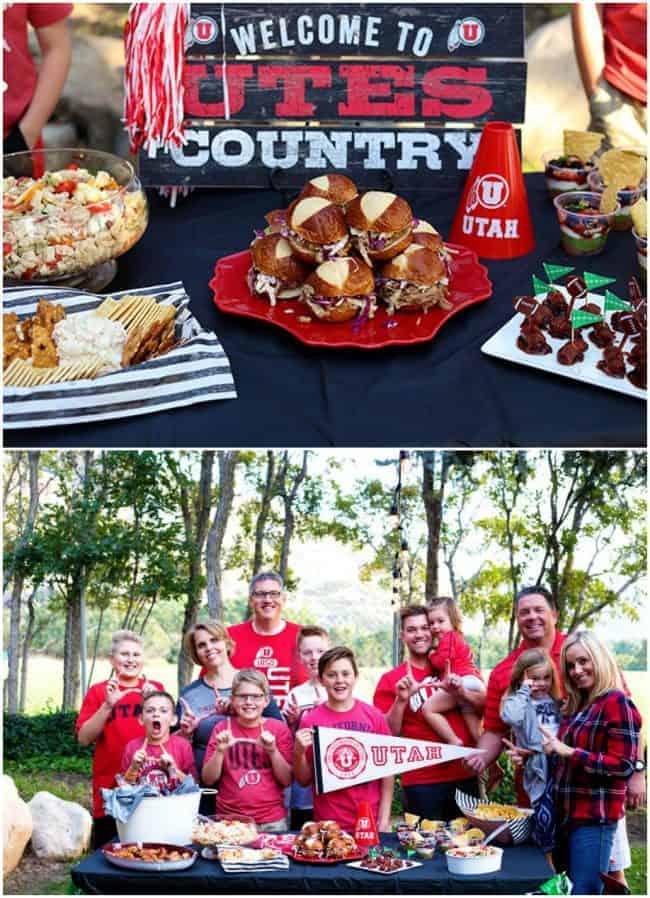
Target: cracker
(582, 144)
(107, 308)
(131, 346)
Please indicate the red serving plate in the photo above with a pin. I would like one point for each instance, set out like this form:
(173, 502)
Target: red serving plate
(469, 284)
(299, 859)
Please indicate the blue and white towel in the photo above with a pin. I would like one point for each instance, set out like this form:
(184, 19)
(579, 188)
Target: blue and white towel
(196, 371)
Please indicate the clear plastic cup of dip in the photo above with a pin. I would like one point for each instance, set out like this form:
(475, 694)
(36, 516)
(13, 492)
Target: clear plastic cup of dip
(627, 197)
(583, 227)
(564, 173)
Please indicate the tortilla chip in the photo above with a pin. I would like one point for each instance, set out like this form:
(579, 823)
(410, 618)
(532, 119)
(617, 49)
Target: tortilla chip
(622, 168)
(582, 144)
(639, 215)
(609, 199)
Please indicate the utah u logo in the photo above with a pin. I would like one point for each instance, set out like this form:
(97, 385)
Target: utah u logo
(469, 32)
(204, 30)
(490, 191)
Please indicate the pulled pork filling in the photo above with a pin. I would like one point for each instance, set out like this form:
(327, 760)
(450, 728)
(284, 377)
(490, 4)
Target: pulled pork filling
(375, 240)
(322, 251)
(397, 294)
(320, 305)
(275, 289)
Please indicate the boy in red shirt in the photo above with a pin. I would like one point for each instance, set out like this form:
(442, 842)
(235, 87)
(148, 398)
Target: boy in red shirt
(250, 757)
(32, 93)
(163, 760)
(451, 659)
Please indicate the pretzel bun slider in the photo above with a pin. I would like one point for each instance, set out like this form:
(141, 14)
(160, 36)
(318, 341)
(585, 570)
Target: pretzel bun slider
(414, 281)
(316, 229)
(380, 224)
(275, 273)
(341, 289)
(338, 189)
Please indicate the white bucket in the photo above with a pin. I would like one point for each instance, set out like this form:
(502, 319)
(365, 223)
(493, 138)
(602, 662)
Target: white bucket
(164, 818)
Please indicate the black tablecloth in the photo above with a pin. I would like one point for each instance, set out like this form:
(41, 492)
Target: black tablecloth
(441, 393)
(524, 868)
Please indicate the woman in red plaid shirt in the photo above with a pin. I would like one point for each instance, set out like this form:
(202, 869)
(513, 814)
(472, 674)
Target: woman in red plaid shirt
(597, 749)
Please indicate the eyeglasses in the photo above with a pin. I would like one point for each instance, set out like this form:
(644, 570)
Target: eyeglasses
(249, 696)
(270, 593)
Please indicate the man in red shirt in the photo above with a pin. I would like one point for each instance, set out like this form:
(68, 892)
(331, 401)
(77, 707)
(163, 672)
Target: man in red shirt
(429, 791)
(611, 52)
(267, 641)
(32, 93)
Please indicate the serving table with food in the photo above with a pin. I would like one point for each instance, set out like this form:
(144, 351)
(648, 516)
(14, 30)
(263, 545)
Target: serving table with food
(231, 856)
(400, 376)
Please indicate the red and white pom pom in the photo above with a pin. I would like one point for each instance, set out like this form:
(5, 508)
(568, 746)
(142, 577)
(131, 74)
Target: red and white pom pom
(153, 79)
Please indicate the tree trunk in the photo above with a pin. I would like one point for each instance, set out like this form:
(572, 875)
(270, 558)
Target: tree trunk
(433, 499)
(227, 464)
(262, 517)
(196, 516)
(27, 642)
(289, 498)
(95, 645)
(13, 648)
(72, 646)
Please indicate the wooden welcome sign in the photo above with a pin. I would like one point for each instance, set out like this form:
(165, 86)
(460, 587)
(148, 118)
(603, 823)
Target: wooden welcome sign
(390, 96)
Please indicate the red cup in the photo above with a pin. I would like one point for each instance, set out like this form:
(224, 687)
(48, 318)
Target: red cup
(493, 217)
(365, 829)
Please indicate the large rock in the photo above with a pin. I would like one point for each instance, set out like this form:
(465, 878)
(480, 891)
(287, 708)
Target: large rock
(16, 825)
(61, 828)
(555, 99)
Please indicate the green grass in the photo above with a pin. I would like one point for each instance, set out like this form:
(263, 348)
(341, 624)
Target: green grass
(29, 783)
(637, 874)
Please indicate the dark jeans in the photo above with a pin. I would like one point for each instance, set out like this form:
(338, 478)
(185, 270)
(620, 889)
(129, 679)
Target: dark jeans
(436, 800)
(590, 847)
(104, 830)
(300, 816)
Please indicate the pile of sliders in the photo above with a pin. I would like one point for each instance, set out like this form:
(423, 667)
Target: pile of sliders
(339, 252)
(324, 840)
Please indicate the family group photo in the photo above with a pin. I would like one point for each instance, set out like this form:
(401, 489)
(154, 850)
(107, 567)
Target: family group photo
(294, 661)
(324, 448)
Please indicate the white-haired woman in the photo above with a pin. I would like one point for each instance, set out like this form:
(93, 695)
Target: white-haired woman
(597, 747)
(110, 717)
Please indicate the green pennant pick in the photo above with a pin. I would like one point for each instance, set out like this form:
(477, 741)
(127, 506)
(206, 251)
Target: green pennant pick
(594, 281)
(539, 286)
(580, 319)
(556, 271)
(614, 304)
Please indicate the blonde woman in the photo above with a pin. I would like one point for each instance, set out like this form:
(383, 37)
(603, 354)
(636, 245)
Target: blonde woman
(110, 717)
(597, 748)
(206, 701)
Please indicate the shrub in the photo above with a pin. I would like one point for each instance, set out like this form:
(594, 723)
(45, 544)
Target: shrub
(45, 740)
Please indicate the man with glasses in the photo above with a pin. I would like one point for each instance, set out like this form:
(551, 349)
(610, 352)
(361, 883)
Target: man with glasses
(267, 641)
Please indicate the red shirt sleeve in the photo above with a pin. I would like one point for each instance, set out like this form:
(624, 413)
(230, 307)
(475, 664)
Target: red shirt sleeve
(491, 716)
(93, 700)
(41, 15)
(384, 694)
(129, 751)
(439, 656)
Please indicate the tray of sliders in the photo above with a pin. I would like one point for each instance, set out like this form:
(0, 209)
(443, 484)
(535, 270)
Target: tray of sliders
(569, 330)
(324, 842)
(342, 269)
(70, 356)
(150, 856)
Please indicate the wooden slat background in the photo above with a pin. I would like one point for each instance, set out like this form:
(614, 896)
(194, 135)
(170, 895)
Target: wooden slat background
(504, 26)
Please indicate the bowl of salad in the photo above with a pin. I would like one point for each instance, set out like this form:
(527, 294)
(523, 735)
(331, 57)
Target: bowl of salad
(68, 214)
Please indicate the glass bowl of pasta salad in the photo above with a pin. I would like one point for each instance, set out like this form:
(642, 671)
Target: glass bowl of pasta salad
(68, 214)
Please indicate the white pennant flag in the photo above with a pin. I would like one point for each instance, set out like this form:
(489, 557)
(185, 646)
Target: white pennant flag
(343, 758)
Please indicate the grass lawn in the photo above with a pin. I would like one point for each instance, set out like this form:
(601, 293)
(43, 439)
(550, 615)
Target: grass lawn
(637, 875)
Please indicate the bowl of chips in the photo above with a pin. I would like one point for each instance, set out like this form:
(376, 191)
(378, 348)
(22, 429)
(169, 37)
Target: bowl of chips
(487, 816)
(622, 172)
(569, 168)
(585, 220)
(639, 216)
(68, 214)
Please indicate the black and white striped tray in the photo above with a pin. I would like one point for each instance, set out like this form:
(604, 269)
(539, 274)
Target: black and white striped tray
(196, 371)
(520, 827)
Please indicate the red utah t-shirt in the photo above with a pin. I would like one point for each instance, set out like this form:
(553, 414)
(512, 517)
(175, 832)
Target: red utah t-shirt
(275, 656)
(247, 784)
(414, 726)
(19, 68)
(152, 771)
